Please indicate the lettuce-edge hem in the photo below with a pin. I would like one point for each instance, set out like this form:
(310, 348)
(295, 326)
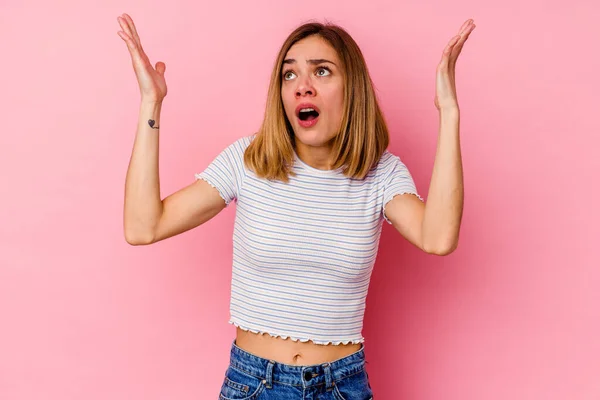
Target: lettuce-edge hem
(397, 194)
(296, 339)
(205, 179)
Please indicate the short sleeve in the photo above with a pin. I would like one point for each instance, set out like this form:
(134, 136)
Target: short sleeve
(397, 180)
(226, 172)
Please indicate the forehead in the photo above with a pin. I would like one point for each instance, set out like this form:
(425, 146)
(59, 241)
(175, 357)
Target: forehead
(312, 47)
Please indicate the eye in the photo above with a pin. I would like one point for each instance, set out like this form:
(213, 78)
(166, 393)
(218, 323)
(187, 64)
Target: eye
(323, 71)
(287, 75)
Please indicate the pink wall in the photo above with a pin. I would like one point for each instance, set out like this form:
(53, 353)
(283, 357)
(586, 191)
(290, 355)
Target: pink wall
(514, 313)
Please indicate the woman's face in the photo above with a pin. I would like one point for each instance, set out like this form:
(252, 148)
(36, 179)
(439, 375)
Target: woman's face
(312, 91)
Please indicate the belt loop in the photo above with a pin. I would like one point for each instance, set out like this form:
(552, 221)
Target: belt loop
(328, 376)
(269, 375)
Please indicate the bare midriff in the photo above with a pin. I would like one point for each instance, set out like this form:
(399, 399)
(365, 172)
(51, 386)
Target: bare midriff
(291, 352)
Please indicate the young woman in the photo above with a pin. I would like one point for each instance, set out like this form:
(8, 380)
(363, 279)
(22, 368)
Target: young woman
(312, 189)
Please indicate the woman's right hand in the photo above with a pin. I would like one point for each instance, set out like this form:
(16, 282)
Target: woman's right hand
(153, 86)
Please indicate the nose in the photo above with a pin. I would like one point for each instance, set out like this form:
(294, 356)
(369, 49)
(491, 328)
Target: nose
(305, 87)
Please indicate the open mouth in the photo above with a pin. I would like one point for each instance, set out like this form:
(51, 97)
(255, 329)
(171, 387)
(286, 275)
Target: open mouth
(308, 114)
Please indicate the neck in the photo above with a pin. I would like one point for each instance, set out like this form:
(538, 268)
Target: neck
(316, 157)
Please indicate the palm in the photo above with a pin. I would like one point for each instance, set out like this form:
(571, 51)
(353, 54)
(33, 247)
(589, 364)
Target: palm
(445, 90)
(152, 83)
(151, 79)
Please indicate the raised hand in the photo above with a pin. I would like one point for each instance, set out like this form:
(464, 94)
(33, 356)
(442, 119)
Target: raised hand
(445, 88)
(151, 80)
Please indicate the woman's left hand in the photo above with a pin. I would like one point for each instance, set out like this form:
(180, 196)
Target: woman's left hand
(445, 88)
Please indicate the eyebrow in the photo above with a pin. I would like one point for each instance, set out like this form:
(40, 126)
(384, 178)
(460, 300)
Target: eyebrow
(312, 61)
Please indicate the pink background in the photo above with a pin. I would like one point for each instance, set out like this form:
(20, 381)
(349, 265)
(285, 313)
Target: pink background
(514, 313)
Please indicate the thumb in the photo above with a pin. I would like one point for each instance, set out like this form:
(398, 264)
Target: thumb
(161, 67)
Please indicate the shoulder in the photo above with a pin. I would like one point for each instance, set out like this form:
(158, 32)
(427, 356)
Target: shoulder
(235, 150)
(387, 163)
(242, 143)
(246, 140)
(390, 167)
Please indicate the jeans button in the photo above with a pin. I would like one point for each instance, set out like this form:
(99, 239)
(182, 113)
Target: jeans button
(307, 375)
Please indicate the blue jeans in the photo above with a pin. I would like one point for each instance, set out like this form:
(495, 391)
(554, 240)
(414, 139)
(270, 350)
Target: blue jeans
(250, 377)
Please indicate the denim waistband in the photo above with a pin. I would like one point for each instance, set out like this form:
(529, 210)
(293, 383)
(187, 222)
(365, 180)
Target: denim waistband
(297, 375)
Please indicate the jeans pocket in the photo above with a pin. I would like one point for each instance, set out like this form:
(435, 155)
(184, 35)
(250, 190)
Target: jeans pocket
(238, 385)
(353, 387)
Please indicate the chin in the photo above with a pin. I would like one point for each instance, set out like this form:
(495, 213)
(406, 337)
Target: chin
(314, 138)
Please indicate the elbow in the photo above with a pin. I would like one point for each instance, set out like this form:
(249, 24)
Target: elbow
(137, 239)
(441, 249)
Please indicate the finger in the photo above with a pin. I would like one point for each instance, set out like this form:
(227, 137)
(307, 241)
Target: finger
(454, 47)
(133, 29)
(125, 27)
(465, 32)
(447, 51)
(459, 45)
(465, 25)
(131, 45)
(139, 51)
(160, 68)
(451, 44)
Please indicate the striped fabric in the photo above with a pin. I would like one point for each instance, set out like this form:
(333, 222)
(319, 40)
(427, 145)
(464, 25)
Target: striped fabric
(303, 252)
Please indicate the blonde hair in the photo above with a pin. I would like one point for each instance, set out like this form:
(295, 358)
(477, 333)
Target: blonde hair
(363, 135)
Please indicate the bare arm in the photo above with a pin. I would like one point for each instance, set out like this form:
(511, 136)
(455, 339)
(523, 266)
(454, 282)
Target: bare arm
(146, 218)
(186, 209)
(435, 226)
(143, 207)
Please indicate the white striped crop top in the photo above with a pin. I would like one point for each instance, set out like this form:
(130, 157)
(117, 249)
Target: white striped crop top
(303, 251)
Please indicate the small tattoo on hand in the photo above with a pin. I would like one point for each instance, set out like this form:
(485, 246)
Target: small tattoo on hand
(151, 122)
